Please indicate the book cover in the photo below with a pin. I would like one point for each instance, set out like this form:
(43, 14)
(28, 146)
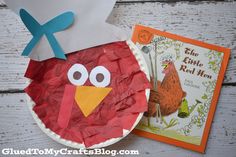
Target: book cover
(186, 78)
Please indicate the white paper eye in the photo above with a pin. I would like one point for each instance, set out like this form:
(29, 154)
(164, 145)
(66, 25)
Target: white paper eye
(77, 74)
(100, 76)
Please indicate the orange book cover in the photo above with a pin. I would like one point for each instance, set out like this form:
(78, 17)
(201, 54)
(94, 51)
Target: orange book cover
(186, 78)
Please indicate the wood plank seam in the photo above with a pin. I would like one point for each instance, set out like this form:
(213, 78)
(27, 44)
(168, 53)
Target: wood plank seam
(12, 91)
(3, 5)
(167, 1)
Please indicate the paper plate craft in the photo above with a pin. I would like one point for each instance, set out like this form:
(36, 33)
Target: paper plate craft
(88, 84)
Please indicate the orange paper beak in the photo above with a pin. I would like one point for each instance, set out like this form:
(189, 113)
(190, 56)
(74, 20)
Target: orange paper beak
(89, 97)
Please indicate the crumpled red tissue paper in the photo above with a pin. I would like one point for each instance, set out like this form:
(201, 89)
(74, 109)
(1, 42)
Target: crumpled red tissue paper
(118, 111)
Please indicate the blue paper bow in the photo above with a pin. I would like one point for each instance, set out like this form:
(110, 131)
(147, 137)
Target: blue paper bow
(59, 23)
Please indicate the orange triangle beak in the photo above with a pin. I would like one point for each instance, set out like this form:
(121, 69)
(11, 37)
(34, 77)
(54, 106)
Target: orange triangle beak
(89, 97)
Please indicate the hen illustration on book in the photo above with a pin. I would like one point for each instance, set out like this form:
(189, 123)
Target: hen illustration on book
(167, 96)
(185, 77)
(163, 98)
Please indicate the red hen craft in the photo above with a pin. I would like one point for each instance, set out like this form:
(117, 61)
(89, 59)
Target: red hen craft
(91, 96)
(87, 86)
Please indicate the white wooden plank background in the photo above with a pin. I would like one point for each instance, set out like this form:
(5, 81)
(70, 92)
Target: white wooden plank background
(212, 22)
(18, 130)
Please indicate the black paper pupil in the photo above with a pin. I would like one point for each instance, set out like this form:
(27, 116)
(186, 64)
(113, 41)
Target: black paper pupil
(77, 75)
(99, 77)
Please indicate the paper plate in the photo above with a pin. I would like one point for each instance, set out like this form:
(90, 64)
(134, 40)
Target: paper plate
(143, 66)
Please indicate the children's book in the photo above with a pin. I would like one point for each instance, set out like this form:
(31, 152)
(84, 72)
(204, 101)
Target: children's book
(186, 78)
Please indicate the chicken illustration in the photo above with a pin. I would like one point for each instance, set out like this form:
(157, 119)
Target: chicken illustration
(168, 96)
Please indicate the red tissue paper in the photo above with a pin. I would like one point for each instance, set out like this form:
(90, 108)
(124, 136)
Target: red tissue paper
(117, 111)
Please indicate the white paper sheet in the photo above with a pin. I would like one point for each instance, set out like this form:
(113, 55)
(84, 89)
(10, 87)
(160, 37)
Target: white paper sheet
(89, 28)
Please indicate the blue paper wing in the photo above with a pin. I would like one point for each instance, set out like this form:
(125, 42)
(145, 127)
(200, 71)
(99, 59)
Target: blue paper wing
(32, 25)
